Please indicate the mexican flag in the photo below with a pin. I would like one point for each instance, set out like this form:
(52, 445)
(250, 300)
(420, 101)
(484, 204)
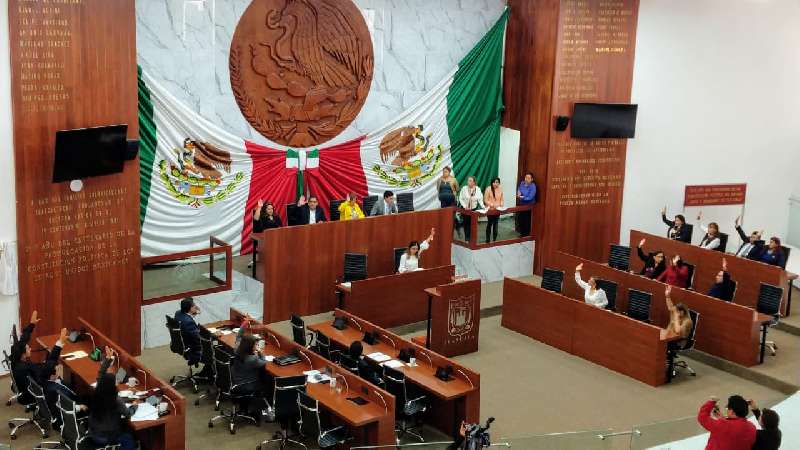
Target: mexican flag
(198, 180)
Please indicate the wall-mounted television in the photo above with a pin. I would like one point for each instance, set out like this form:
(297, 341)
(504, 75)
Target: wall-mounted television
(89, 152)
(603, 120)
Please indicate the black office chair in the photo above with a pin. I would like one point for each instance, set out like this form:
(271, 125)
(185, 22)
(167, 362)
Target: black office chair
(311, 424)
(372, 371)
(322, 347)
(334, 209)
(398, 252)
(405, 202)
(368, 202)
(690, 278)
(734, 286)
(769, 303)
(610, 288)
(292, 214)
(688, 345)
(207, 344)
(723, 242)
(299, 333)
(619, 257)
(73, 433)
(639, 305)
(786, 251)
(407, 408)
(42, 416)
(355, 267)
(552, 279)
(284, 400)
(30, 405)
(177, 346)
(7, 367)
(226, 390)
(348, 363)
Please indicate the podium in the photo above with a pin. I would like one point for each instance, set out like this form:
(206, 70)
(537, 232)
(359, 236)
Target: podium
(453, 318)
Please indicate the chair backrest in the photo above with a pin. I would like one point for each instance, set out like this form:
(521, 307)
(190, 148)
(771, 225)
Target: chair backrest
(371, 371)
(734, 285)
(552, 279)
(7, 366)
(786, 251)
(322, 345)
(368, 202)
(348, 363)
(43, 410)
(769, 299)
(398, 252)
(619, 257)
(395, 382)
(222, 366)
(639, 305)
(207, 347)
(355, 267)
(723, 242)
(71, 433)
(405, 202)
(334, 209)
(689, 227)
(695, 316)
(610, 288)
(690, 277)
(284, 398)
(176, 344)
(310, 423)
(299, 330)
(292, 212)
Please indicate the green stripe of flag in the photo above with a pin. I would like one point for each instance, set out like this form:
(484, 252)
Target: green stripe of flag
(147, 145)
(474, 106)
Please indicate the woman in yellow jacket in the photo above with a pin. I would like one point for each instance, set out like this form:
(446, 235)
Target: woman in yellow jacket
(349, 209)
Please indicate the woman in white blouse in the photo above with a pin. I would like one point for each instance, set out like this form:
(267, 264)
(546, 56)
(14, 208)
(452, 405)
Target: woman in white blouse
(591, 293)
(471, 198)
(409, 261)
(711, 239)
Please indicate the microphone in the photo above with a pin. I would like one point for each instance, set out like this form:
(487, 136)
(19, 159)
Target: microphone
(389, 339)
(144, 383)
(470, 383)
(426, 355)
(385, 406)
(356, 324)
(310, 365)
(274, 338)
(92, 338)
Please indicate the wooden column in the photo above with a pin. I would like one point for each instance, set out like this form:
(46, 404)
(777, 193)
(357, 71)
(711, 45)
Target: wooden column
(561, 52)
(73, 65)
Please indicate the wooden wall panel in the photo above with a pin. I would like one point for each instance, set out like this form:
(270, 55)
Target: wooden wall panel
(301, 263)
(73, 65)
(582, 51)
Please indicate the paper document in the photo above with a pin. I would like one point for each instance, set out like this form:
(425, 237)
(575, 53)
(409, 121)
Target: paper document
(379, 357)
(211, 330)
(145, 411)
(346, 284)
(269, 358)
(393, 363)
(76, 355)
(482, 211)
(501, 208)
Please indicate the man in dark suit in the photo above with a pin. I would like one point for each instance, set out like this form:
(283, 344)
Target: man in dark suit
(309, 212)
(190, 332)
(21, 365)
(752, 247)
(387, 206)
(53, 385)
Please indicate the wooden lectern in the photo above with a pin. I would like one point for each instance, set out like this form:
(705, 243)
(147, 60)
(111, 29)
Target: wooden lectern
(454, 316)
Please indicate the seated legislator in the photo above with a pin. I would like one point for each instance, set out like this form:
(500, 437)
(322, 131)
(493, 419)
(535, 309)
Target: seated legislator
(264, 217)
(409, 260)
(248, 371)
(752, 246)
(733, 432)
(23, 367)
(349, 209)
(309, 212)
(190, 332)
(710, 240)
(591, 293)
(680, 323)
(108, 413)
(676, 274)
(654, 262)
(387, 206)
(722, 288)
(677, 228)
(769, 436)
(773, 254)
(53, 384)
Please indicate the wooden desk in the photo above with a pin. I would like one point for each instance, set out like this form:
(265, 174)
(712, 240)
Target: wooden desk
(748, 274)
(375, 419)
(727, 330)
(300, 264)
(451, 401)
(624, 345)
(393, 300)
(164, 433)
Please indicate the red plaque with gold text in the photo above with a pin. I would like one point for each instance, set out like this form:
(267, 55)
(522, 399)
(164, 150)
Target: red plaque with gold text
(73, 65)
(715, 194)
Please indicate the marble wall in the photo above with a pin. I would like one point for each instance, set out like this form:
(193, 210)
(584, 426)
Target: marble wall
(184, 44)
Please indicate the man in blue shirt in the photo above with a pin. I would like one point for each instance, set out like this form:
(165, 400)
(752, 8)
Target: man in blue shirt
(526, 195)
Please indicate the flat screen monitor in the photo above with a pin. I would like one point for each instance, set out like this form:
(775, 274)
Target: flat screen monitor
(603, 120)
(89, 152)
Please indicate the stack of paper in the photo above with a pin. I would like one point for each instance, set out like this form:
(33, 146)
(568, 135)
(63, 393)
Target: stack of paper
(394, 364)
(212, 330)
(145, 411)
(379, 357)
(76, 355)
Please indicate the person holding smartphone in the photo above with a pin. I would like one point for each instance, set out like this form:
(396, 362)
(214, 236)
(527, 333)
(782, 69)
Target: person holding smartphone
(729, 432)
